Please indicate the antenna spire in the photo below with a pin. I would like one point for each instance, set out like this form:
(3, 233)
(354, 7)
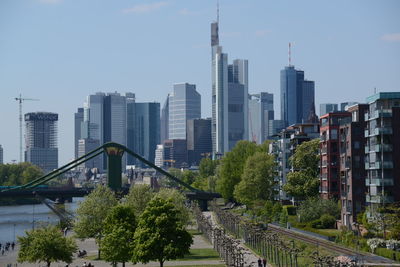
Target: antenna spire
(218, 11)
(290, 54)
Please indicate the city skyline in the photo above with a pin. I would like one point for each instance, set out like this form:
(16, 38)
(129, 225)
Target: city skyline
(65, 61)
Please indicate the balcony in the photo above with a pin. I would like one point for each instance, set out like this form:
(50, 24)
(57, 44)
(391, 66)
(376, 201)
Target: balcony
(387, 164)
(366, 133)
(378, 199)
(366, 116)
(366, 149)
(386, 113)
(379, 182)
(383, 130)
(386, 148)
(324, 176)
(324, 150)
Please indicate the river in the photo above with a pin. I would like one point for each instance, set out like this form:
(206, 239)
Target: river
(14, 220)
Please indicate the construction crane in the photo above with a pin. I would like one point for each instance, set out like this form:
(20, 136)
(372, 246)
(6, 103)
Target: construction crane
(20, 99)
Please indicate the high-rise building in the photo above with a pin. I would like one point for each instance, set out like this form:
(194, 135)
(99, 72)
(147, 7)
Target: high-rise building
(1, 155)
(78, 130)
(159, 156)
(175, 153)
(41, 140)
(164, 121)
(147, 135)
(130, 126)
(184, 104)
(326, 108)
(352, 170)
(382, 151)
(297, 96)
(199, 142)
(261, 111)
(86, 145)
(274, 127)
(345, 105)
(330, 156)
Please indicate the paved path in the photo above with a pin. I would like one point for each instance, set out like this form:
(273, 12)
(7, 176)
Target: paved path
(90, 246)
(250, 258)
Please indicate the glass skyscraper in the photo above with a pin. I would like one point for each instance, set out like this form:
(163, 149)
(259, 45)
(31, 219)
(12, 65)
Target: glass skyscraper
(297, 96)
(184, 104)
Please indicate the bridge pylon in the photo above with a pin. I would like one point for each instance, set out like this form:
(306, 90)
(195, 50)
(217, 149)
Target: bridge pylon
(114, 153)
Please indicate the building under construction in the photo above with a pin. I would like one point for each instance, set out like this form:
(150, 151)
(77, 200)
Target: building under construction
(41, 140)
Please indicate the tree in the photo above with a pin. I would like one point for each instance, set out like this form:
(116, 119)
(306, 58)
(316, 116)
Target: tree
(303, 182)
(231, 168)
(167, 182)
(257, 181)
(178, 199)
(46, 245)
(119, 229)
(207, 167)
(138, 197)
(18, 174)
(92, 212)
(160, 235)
(188, 176)
(313, 208)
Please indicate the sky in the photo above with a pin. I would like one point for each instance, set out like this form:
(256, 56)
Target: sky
(60, 51)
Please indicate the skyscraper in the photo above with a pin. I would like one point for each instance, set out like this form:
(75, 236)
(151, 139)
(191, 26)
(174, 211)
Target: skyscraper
(261, 112)
(1, 155)
(147, 135)
(297, 96)
(78, 131)
(184, 104)
(130, 126)
(326, 108)
(164, 120)
(199, 142)
(41, 140)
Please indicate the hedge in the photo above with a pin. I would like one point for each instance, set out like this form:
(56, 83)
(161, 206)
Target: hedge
(388, 253)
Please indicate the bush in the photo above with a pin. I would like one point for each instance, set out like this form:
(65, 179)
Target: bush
(313, 209)
(291, 210)
(388, 253)
(317, 224)
(327, 221)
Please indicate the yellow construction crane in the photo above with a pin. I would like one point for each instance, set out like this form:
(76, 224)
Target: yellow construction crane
(20, 99)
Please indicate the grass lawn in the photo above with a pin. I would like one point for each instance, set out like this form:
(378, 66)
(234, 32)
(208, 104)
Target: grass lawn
(200, 254)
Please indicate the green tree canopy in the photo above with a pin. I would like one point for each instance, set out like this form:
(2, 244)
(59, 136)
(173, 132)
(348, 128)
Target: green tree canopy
(178, 199)
(138, 197)
(119, 229)
(160, 235)
(91, 213)
(18, 174)
(231, 168)
(207, 167)
(189, 176)
(46, 245)
(313, 208)
(257, 181)
(303, 182)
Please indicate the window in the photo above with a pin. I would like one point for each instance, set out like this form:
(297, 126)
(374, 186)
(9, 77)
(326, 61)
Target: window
(356, 145)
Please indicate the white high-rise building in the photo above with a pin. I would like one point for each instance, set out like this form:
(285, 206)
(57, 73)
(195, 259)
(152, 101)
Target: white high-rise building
(1, 154)
(159, 159)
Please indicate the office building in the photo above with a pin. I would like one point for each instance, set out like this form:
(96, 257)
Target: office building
(275, 127)
(175, 153)
(1, 155)
(41, 140)
(77, 127)
(130, 126)
(184, 104)
(352, 170)
(326, 108)
(159, 156)
(261, 111)
(86, 145)
(382, 151)
(297, 96)
(199, 142)
(147, 135)
(330, 156)
(164, 121)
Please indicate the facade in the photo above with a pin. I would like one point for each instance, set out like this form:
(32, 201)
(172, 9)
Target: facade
(285, 146)
(78, 118)
(184, 104)
(147, 133)
(130, 126)
(382, 151)
(159, 157)
(275, 127)
(1, 155)
(297, 96)
(41, 140)
(199, 142)
(345, 105)
(352, 170)
(164, 121)
(326, 108)
(260, 113)
(330, 156)
(236, 120)
(175, 153)
(85, 146)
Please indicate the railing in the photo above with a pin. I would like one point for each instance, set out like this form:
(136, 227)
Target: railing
(379, 182)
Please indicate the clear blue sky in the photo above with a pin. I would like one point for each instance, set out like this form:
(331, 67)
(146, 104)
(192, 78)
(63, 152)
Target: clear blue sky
(59, 51)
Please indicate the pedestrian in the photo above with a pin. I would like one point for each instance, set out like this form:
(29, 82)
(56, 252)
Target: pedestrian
(12, 245)
(264, 262)
(2, 251)
(259, 262)
(84, 264)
